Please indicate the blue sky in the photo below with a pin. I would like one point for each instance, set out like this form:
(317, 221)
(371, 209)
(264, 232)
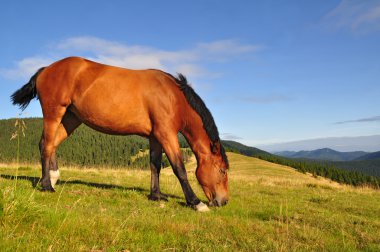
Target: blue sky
(269, 71)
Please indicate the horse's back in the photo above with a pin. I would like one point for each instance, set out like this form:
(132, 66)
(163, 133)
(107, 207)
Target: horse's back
(112, 99)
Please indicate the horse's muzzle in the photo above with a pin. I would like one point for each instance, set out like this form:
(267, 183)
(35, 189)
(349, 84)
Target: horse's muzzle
(218, 203)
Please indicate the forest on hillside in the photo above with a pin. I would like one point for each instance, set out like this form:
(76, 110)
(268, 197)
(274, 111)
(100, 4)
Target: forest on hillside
(370, 166)
(85, 147)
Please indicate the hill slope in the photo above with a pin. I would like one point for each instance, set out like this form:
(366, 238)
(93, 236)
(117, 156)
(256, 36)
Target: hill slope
(323, 154)
(242, 149)
(353, 175)
(370, 156)
(272, 208)
(87, 147)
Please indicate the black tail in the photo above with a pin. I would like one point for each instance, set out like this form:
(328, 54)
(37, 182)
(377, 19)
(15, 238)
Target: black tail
(24, 95)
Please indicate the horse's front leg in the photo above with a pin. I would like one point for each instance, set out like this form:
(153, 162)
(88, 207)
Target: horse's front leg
(155, 152)
(169, 142)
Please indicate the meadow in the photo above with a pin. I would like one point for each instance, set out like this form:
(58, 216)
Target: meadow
(272, 208)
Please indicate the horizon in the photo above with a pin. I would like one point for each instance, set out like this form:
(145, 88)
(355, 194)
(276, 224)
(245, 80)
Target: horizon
(294, 146)
(269, 72)
(369, 143)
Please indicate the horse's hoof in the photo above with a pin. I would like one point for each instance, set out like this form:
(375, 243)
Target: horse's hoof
(47, 189)
(163, 197)
(54, 176)
(202, 207)
(157, 197)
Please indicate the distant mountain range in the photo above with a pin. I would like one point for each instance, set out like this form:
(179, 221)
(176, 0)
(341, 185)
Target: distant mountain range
(325, 154)
(370, 156)
(344, 144)
(365, 162)
(359, 161)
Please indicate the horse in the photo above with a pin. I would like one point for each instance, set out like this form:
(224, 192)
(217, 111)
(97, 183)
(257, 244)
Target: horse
(150, 103)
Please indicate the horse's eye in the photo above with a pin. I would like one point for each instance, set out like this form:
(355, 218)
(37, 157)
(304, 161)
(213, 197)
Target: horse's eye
(223, 171)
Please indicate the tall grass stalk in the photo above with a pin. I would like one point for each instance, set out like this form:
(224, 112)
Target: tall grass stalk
(20, 130)
(63, 222)
(60, 194)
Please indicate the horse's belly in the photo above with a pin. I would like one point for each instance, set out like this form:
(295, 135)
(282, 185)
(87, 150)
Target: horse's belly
(113, 106)
(125, 122)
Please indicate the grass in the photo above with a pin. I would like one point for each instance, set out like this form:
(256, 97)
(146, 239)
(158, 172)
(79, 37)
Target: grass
(272, 208)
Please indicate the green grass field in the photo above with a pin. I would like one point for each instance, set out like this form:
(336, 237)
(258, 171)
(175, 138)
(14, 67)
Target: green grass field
(272, 208)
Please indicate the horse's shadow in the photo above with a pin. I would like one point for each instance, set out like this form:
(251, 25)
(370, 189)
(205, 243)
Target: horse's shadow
(33, 180)
(36, 180)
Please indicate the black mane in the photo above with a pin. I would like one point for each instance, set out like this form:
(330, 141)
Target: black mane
(199, 106)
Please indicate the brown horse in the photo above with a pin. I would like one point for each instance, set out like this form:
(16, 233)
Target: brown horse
(119, 101)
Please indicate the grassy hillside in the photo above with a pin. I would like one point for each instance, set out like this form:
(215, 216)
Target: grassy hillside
(272, 208)
(354, 176)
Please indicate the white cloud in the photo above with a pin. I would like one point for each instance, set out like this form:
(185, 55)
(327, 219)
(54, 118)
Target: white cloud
(225, 48)
(190, 69)
(361, 120)
(25, 68)
(357, 16)
(229, 136)
(189, 61)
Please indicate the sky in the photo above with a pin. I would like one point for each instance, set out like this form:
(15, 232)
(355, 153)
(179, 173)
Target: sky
(269, 71)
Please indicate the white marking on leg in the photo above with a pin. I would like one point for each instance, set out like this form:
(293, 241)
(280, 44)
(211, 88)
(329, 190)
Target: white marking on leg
(202, 207)
(54, 176)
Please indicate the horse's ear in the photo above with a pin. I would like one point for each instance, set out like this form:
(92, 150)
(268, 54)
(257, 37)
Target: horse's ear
(215, 147)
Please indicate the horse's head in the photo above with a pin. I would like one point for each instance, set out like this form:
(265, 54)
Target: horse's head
(212, 175)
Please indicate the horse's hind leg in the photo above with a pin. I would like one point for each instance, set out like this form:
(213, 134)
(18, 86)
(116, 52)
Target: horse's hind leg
(55, 131)
(53, 166)
(155, 152)
(69, 123)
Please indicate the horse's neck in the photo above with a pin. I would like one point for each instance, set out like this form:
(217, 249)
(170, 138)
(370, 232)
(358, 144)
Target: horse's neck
(197, 137)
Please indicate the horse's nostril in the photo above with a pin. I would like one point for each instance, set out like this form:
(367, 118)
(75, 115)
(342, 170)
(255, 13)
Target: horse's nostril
(225, 202)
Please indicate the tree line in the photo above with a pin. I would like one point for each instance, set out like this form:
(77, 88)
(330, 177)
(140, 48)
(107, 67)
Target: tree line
(327, 170)
(85, 147)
